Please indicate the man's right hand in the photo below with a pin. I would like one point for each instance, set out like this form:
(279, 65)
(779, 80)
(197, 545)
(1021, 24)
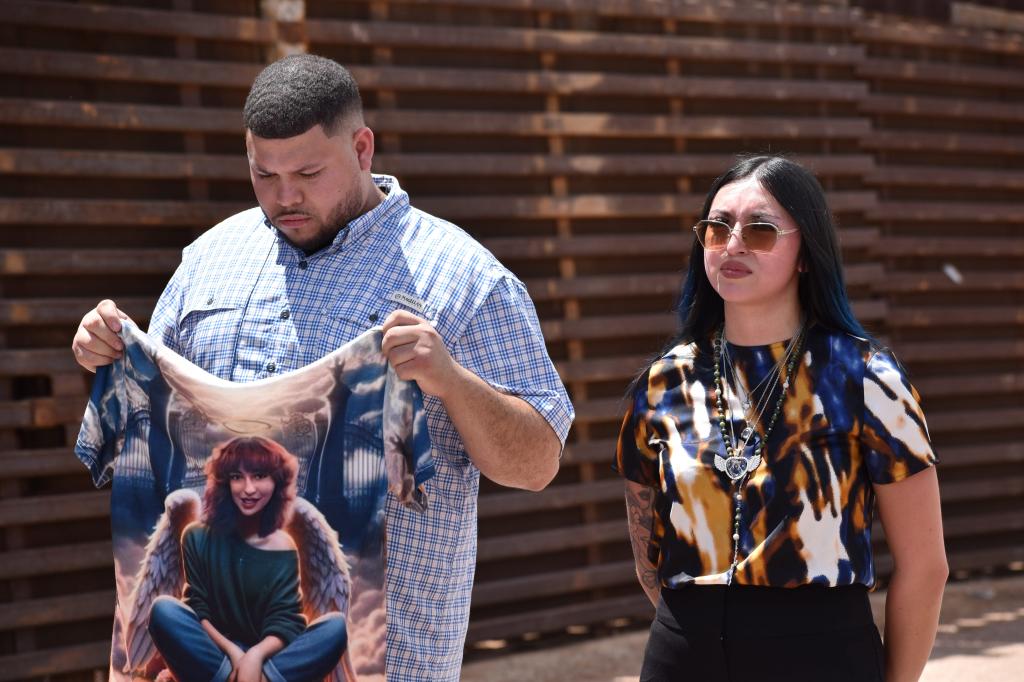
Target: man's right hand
(96, 342)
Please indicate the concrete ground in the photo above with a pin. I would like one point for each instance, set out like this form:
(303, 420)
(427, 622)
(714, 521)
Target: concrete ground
(980, 639)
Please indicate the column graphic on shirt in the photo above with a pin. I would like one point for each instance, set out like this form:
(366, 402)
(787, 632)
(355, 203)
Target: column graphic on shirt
(163, 432)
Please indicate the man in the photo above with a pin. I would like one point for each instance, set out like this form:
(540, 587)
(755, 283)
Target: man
(331, 251)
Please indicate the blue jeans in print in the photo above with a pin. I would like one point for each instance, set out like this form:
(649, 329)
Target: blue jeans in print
(193, 657)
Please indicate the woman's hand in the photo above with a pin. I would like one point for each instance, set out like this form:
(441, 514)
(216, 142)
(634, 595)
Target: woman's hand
(249, 668)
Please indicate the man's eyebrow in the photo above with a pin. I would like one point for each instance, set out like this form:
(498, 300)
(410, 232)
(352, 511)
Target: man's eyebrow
(309, 166)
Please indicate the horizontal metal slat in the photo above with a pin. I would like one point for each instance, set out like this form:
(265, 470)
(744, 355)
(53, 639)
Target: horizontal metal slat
(25, 511)
(25, 563)
(54, 610)
(47, 662)
(177, 72)
(89, 163)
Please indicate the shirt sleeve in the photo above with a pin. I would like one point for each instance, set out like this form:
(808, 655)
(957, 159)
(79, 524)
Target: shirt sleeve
(408, 461)
(163, 323)
(504, 346)
(894, 433)
(283, 618)
(197, 588)
(101, 436)
(635, 459)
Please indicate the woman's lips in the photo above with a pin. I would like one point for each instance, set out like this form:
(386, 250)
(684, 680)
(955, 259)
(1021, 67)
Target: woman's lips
(734, 270)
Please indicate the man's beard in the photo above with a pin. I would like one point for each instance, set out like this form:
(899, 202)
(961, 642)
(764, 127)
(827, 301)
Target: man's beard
(340, 216)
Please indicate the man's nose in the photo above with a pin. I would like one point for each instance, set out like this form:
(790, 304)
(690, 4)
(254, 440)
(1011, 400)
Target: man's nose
(288, 194)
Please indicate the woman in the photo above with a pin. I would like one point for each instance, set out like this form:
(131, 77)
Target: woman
(754, 449)
(242, 613)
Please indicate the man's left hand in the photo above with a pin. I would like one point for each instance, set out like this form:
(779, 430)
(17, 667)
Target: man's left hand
(417, 352)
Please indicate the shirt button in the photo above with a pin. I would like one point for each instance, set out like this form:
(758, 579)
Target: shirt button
(209, 301)
(271, 367)
(285, 314)
(303, 265)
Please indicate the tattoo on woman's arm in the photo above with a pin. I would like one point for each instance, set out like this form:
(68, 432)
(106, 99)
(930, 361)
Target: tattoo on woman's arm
(640, 512)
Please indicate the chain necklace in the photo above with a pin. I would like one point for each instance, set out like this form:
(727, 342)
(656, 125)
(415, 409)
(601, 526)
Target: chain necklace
(736, 465)
(749, 394)
(752, 417)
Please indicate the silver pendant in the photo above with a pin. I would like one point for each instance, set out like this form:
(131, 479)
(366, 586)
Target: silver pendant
(747, 432)
(735, 467)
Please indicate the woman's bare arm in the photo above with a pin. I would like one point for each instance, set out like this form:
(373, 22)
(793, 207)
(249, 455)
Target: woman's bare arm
(640, 514)
(912, 519)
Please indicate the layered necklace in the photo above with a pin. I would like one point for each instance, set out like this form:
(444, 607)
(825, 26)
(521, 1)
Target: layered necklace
(736, 465)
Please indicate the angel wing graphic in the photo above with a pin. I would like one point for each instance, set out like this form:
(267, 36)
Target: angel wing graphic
(161, 572)
(323, 573)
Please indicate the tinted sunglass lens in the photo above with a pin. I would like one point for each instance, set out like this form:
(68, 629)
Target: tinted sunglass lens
(759, 236)
(716, 235)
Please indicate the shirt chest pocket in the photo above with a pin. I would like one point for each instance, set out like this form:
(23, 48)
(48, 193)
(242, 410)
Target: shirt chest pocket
(208, 324)
(344, 321)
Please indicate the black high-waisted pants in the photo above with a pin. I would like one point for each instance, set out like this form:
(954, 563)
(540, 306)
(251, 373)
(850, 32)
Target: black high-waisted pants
(714, 633)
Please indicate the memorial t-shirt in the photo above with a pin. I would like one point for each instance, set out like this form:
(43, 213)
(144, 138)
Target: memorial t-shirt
(356, 429)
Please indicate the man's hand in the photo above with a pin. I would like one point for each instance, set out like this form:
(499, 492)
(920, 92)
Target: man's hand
(504, 436)
(416, 351)
(96, 342)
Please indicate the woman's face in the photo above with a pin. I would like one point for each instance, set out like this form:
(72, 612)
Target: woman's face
(250, 491)
(745, 277)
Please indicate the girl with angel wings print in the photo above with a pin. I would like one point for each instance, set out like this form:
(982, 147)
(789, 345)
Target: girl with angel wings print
(254, 589)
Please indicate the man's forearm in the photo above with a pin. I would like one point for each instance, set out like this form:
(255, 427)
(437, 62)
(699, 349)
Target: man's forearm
(507, 439)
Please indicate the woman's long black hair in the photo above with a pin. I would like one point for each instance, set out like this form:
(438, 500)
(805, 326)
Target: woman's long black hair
(821, 288)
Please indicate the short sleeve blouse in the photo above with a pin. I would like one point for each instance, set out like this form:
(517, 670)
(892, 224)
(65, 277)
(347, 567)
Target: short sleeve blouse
(850, 419)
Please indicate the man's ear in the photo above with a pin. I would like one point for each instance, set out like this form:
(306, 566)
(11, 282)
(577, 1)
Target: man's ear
(362, 142)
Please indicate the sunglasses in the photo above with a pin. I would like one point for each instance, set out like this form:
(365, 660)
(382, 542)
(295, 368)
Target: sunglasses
(713, 235)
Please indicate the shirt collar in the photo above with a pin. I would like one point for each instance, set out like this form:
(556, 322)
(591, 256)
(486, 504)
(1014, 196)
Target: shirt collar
(395, 203)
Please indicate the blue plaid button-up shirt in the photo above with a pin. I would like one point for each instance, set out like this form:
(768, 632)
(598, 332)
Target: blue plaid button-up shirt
(245, 304)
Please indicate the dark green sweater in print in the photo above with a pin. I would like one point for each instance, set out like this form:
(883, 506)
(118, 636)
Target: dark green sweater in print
(246, 593)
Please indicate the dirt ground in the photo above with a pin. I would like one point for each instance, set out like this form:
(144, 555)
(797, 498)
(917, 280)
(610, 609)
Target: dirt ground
(980, 639)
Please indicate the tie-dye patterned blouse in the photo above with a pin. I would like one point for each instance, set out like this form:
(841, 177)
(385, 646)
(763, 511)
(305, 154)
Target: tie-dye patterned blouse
(850, 419)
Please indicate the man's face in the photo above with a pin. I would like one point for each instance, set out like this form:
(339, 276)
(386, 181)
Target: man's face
(312, 185)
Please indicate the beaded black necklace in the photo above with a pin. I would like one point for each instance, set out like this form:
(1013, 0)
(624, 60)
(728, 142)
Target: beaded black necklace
(735, 465)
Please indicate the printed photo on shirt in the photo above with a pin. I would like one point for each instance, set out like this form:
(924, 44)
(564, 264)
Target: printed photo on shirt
(254, 510)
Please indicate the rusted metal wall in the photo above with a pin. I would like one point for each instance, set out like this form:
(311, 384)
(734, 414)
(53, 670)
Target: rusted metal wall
(575, 139)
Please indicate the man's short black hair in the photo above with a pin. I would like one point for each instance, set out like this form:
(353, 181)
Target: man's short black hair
(298, 92)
